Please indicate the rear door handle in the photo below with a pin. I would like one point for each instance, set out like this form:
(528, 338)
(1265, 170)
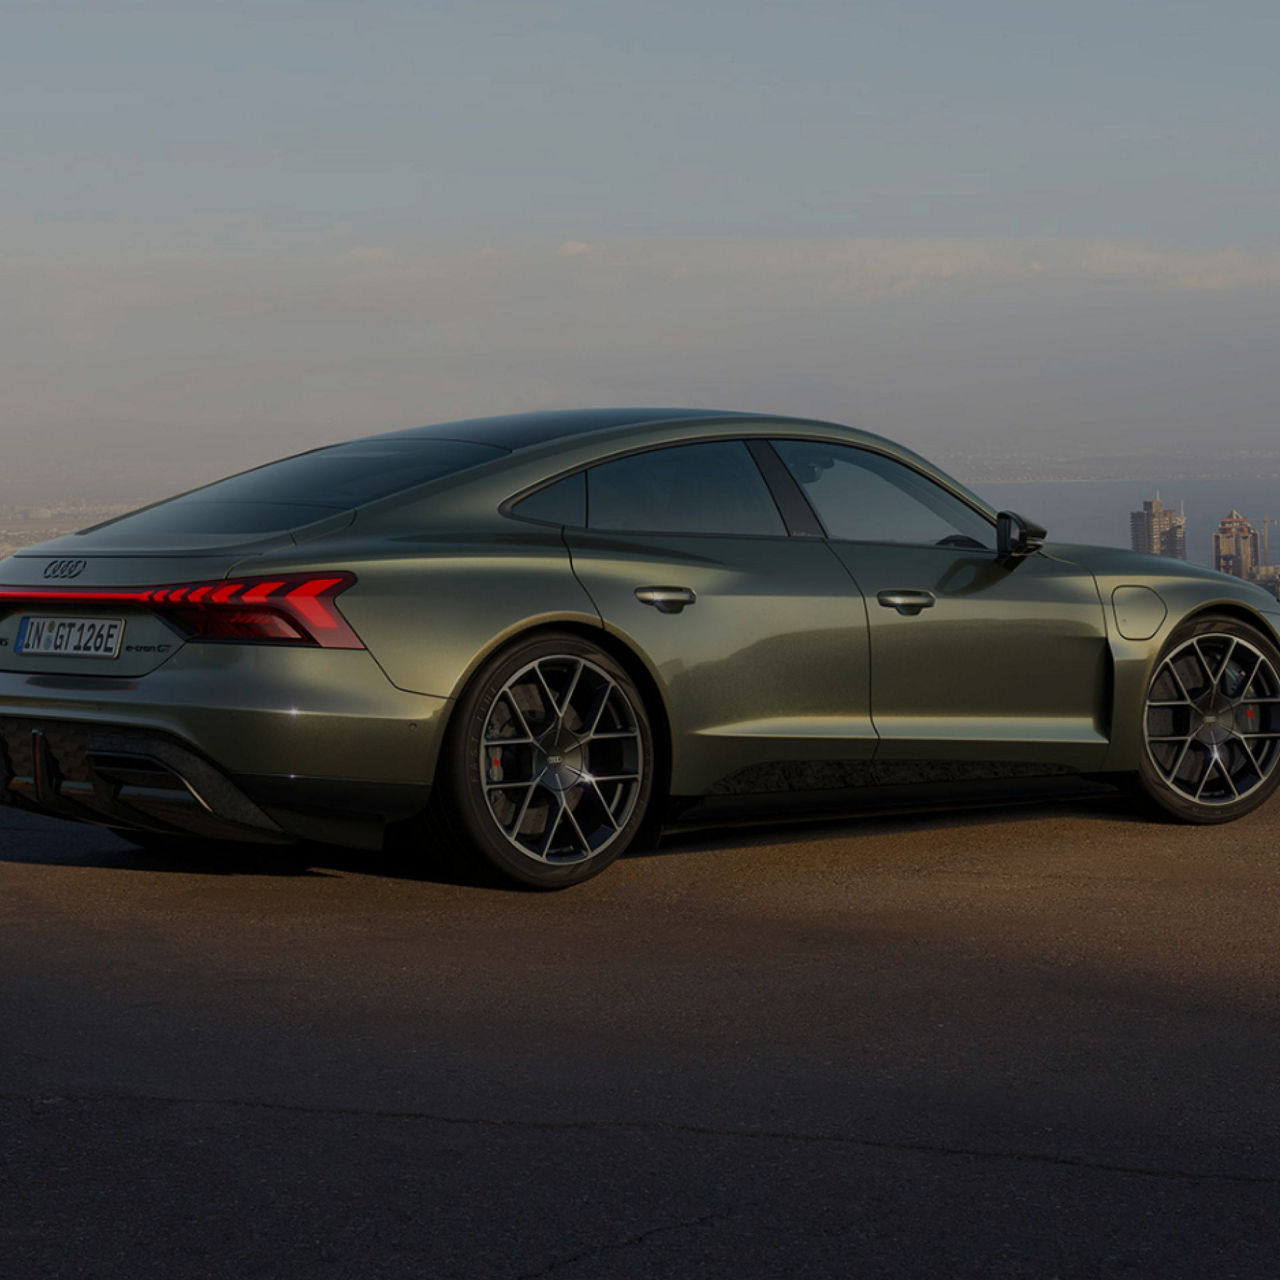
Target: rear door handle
(667, 599)
(907, 602)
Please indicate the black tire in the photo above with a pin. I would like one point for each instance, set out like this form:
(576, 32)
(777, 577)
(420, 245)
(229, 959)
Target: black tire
(1213, 700)
(566, 774)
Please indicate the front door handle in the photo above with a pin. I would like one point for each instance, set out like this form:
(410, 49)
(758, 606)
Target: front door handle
(666, 599)
(908, 603)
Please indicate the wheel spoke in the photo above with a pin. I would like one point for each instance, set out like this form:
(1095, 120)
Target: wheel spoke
(1210, 761)
(552, 827)
(1204, 663)
(510, 784)
(552, 706)
(515, 706)
(573, 688)
(524, 811)
(1177, 679)
(1226, 662)
(1231, 782)
(573, 818)
(1253, 675)
(1248, 750)
(599, 710)
(604, 804)
(1172, 775)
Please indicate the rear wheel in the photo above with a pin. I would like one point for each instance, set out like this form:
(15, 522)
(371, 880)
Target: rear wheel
(1211, 725)
(549, 769)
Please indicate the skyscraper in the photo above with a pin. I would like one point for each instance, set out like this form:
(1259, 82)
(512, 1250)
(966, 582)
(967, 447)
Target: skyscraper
(1237, 546)
(1159, 530)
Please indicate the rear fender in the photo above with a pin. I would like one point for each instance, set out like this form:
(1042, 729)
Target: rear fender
(430, 621)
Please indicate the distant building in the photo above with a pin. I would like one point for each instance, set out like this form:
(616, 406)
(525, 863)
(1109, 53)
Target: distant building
(1237, 547)
(1269, 576)
(1159, 530)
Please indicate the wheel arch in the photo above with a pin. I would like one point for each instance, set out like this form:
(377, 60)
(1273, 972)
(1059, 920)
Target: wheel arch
(1233, 609)
(1133, 666)
(621, 652)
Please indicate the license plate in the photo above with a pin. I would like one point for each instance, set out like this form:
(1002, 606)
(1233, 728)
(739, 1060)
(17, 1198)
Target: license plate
(72, 637)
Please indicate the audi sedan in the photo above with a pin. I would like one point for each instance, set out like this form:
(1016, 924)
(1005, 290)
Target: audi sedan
(530, 640)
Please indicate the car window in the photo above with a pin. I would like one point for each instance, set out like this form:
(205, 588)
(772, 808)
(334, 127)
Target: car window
(307, 487)
(694, 488)
(564, 502)
(862, 496)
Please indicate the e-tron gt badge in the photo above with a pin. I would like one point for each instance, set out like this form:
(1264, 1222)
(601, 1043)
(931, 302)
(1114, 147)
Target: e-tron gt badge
(65, 569)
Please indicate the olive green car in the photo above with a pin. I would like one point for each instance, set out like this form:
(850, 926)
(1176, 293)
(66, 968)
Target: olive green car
(536, 637)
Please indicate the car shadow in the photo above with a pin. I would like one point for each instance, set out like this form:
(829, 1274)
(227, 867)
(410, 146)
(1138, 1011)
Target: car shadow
(37, 840)
(64, 844)
(781, 829)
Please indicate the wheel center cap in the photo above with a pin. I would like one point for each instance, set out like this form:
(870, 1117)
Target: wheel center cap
(1215, 727)
(562, 765)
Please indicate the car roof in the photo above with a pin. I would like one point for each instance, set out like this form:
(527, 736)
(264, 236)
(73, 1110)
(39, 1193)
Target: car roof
(523, 430)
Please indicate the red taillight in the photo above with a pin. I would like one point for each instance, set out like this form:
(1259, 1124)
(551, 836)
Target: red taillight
(284, 609)
(292, 609)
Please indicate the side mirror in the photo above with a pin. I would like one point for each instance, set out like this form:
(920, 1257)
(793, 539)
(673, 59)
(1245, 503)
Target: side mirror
(1016, 536)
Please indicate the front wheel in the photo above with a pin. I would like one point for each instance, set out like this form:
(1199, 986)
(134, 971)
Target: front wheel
(1211, 725)
(549, 768)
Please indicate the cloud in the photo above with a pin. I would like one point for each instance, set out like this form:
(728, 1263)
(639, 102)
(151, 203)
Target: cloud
(79, 300)
(234, 357)
(881, 267)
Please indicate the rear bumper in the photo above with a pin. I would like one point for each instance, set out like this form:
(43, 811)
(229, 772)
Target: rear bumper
(256, 709)
(224, 742)
(122, 777)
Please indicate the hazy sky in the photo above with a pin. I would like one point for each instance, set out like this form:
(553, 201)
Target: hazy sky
(235, 229)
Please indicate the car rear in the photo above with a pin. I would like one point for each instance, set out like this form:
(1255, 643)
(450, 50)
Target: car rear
(157, 675)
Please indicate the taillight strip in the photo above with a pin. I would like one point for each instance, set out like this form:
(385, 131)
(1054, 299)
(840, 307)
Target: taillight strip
(10, 596)
(217, 610)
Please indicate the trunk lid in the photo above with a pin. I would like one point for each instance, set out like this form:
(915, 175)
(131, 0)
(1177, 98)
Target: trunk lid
(63, 580)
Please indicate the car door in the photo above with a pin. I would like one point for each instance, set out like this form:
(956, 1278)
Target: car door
(756, 637)
(973, 657)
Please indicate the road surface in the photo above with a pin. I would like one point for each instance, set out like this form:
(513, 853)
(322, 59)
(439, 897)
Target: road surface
(1035, 1041)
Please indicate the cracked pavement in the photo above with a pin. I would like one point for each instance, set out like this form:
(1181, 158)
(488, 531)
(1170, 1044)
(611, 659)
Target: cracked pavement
(1036, 1041)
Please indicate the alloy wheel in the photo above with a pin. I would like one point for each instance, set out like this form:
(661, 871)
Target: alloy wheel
(1212, 722)
(561, 760)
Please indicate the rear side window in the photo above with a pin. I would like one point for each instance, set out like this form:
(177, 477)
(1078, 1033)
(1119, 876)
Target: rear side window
(298, 490)
(564, 502)
(693, 488)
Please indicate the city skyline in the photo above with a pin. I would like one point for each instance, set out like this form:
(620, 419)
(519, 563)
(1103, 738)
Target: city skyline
(1159, 531)
(1242, 550)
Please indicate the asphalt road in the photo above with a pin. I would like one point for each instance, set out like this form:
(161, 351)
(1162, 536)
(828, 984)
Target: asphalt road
(1032, 1042)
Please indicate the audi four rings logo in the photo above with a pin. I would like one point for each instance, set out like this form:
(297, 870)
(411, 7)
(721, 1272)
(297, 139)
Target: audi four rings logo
(65, 568)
